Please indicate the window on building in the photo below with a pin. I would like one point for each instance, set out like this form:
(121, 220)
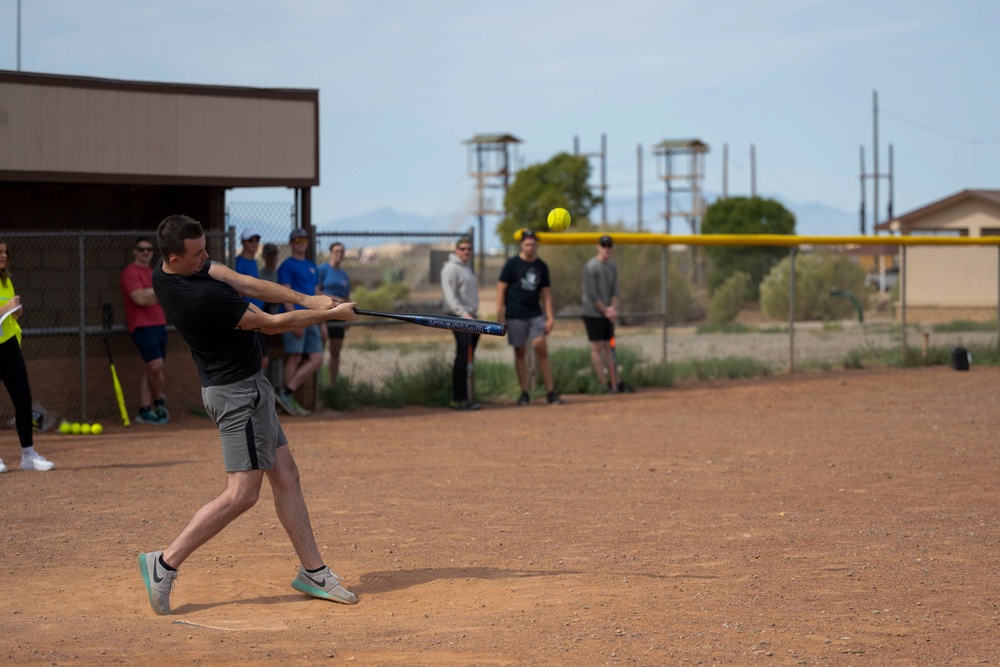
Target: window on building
(939, 232)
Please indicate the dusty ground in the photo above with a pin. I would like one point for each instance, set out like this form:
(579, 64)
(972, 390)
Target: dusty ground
(838, 518)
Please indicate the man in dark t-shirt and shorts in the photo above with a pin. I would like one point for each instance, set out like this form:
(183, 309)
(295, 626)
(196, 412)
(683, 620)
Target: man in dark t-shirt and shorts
(522, 293)
(204, 301)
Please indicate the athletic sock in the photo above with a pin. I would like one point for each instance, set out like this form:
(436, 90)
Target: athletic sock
(165, 566)
(317, 570)
(145, 408)
(27, 452)
(159, 401)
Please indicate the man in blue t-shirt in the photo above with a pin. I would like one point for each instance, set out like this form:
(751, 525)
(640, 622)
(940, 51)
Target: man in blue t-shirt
(246, 263)
(524, 302)
(303, 347)
(334, 281)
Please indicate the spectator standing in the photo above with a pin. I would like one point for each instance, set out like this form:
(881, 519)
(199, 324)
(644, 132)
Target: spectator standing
(334, 281)
(460, 292)
(13, 370)
(204, 302)
(269, 271)
(304, 346)
(246, 263)
(524, 301)
(148, 327)
(599, 306)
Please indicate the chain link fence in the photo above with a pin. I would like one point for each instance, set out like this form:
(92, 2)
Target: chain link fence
(781, 308)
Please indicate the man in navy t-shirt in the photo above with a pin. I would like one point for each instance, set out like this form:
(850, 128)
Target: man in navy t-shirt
(522, 293)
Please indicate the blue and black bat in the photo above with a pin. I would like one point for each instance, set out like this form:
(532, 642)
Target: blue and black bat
(444, 322)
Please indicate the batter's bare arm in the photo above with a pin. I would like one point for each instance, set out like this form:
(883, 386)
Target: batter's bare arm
(257, 320)
(269, 292)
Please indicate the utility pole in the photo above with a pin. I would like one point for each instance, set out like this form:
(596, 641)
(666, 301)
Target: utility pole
(638, 163)
(753, 170)
(875, 176)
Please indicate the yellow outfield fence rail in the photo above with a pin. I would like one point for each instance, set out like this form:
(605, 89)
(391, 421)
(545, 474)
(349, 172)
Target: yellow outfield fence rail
(777, 240)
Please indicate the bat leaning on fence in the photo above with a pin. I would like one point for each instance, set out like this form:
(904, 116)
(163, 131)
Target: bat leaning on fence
(108, 316)
(444, 322)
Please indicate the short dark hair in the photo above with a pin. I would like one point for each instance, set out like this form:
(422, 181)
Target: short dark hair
(464, 239)
(142, 239)
(173, 231)
(335, 244)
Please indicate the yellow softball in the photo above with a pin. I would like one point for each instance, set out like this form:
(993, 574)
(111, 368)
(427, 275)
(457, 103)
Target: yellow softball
(559, 219)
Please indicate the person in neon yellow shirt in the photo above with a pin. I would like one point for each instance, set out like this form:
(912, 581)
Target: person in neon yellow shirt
(14, 372)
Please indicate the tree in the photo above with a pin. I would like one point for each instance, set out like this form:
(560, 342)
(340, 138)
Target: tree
(536, 190)
(745, 215)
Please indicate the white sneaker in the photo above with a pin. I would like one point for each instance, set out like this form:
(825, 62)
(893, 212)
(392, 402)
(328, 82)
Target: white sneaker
(3, 468)
(37, 462)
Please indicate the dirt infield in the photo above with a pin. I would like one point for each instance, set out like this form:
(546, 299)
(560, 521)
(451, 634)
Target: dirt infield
(838, 518)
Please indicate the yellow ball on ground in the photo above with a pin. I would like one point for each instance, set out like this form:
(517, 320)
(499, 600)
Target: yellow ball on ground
(559, 219)
(85, 429)
(64, 428)
(74, 428)
(97, 429)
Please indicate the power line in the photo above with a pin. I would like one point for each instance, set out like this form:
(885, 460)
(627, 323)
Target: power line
(940, 133)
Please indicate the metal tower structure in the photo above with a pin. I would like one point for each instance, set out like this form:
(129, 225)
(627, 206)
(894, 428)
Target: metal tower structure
(491, 163)
(680, 181)
(601, 155)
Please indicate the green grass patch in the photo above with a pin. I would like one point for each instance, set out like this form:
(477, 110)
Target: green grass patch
(725, 327)
(964, 325)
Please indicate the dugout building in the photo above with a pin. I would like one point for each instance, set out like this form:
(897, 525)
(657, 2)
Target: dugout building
(86, 165)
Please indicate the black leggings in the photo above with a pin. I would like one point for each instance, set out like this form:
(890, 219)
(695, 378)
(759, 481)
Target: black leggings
(14, 375)
(459, 372)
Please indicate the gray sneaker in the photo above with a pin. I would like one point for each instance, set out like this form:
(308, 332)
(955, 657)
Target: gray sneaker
(158, 580)
(324, 584)
(286, 401)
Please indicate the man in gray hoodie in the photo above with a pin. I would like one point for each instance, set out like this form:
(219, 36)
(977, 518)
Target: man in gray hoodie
(461, 299)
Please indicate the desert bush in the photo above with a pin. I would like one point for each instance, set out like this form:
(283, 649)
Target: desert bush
(729, 298)
(383, 298)
(816, 276)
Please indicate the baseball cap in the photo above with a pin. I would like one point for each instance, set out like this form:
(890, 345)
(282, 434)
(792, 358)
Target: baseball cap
(606, 241)
(249, 233)
(269, 248)
(298, 233)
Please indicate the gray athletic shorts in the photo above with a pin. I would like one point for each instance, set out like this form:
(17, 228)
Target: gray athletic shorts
(519, 332)
(248, 423)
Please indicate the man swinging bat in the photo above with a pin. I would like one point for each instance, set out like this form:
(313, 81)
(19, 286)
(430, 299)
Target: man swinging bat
(204, 301)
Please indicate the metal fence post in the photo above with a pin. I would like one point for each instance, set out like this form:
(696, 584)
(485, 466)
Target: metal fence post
(83, 326)
(791, 312)
(663, 298)
(902, 303)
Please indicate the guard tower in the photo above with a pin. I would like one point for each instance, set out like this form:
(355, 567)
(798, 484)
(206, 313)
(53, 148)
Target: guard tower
(489, 160)
(682, 179)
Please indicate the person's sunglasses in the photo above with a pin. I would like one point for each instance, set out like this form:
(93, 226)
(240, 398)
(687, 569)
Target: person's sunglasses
(142, 248)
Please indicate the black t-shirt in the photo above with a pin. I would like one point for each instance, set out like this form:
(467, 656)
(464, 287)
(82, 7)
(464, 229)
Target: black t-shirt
(206, 312)
(525, 281)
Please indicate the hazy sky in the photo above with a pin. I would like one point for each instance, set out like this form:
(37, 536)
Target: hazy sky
(403, 82)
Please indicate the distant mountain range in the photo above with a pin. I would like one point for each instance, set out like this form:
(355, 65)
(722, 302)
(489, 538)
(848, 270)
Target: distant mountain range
(812, 219)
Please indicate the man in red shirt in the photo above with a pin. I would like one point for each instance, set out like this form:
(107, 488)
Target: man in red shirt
(148, 328)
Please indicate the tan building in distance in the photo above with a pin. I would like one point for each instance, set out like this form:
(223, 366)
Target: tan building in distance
(947, 283)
